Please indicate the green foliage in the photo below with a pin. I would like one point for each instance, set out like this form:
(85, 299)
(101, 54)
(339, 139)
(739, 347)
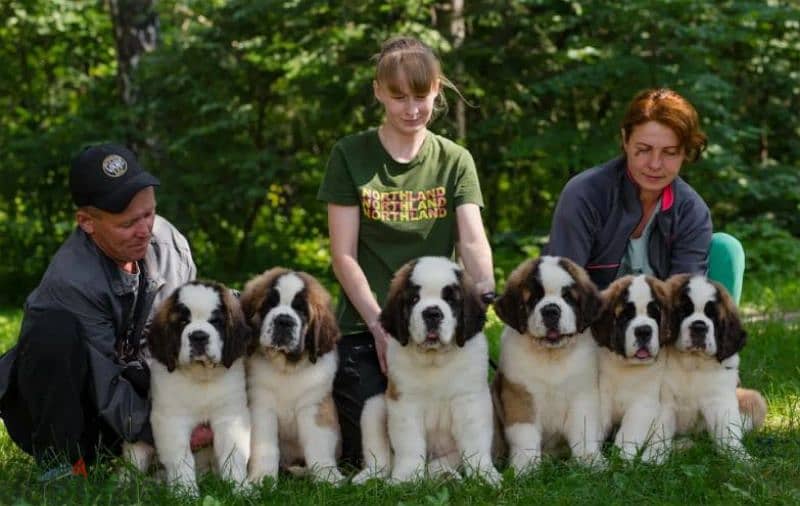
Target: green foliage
(242, 100)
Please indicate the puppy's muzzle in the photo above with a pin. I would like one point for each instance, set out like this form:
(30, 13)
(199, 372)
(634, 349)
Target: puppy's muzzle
(283, 330)
(643, 335)
(432, 316)
(551, 313)
(198, 341)
(698, 330)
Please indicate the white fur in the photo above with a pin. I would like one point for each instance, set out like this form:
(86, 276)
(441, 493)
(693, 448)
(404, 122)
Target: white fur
(553, 278)
(441, 417)
(193, 395)
(200, 390)
(561, 377)
(285, 398)
(630, 387)
(287, 286)
(699, 392)
(563, 383)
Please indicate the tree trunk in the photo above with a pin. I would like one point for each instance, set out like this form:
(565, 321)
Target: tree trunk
(458, 31)
(135, 24)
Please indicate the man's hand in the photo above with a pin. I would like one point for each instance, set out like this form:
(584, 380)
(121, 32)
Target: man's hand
(202, 436)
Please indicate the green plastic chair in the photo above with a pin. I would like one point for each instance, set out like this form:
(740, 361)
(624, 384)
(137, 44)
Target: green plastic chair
(726, 263)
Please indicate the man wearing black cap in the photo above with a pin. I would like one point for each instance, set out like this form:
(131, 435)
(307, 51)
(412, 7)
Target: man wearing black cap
(74, 383)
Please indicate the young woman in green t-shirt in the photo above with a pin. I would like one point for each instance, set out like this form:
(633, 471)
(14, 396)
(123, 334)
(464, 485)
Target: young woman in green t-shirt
(395, 193)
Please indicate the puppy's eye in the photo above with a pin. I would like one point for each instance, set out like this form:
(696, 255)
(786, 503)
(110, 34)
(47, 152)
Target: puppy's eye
(687, 307)
(414, 299)
(568, 296)
(653, 309)
(216, 321)
(711, 310)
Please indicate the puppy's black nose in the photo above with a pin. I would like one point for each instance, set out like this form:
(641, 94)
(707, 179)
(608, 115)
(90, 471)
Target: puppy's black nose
(550, 314)
(284, 321)
(643, 334)
(432, 315)
(698, 327)
(198, 338)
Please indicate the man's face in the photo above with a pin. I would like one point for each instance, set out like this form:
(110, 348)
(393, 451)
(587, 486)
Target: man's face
(124, 236)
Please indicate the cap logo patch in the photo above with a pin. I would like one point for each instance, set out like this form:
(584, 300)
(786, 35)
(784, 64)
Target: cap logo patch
(114, 166)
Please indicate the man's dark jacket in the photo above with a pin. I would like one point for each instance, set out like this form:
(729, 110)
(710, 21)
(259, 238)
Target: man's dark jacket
(82, 280)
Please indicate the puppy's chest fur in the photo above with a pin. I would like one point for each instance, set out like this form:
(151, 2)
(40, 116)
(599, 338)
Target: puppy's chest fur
(692, 381)
(197, 391)
(623, 385)
(553, 377)
(433, 381)
(275, 385)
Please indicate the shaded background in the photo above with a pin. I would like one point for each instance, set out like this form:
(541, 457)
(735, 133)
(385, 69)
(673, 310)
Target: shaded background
(236, 104)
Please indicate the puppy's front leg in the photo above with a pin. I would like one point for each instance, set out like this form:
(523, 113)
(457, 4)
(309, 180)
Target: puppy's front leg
(582, 429)
(407, 435)
(374, 441)
(637, 428)
(725, 425)
(473, 428)
(232, 445)
(525, 446)
(318, 431)
(172, 436)
(264, 444)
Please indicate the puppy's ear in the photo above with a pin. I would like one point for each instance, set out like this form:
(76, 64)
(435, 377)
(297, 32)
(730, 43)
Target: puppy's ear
(675, 287)
(731, 336)
(511, 306)
(589, 302)
(473, 312)
(237, 331)
(661, 294)
(164, 338)
(603, 326)
(396, 311)
(323, 331)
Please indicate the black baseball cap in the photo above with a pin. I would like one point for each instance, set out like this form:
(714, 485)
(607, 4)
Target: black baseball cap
(107, 177)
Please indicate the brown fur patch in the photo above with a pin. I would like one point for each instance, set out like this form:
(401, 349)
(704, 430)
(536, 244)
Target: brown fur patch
(391, 391)
(322, 322)
(392, 316)
(254, 293)
(585, 292)
(516, 403)
(511, 305)
(753, 405)
(326, 413)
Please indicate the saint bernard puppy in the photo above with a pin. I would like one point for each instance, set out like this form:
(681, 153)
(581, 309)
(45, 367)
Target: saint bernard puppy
(437, 411)
(290, 375)
(197, 342)
(702, 368)
(631, 331)
(546, 385)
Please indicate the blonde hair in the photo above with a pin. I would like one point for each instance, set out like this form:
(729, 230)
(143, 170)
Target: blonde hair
(418, 65)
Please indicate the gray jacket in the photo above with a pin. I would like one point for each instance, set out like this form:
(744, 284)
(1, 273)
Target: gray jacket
(81, 279)
(599, 209)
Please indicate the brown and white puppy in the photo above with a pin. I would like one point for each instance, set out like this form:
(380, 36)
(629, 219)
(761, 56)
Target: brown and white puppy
(437, 406)
(197, 342)
(631, 331)
(546, 382)
(702, 368)
(290, 375)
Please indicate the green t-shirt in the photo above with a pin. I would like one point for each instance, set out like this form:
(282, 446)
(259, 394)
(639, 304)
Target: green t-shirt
(407, 209)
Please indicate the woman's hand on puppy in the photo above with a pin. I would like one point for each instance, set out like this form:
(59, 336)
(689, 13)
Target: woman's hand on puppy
(381, 339)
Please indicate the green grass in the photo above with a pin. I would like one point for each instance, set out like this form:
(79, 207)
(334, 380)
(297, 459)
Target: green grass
(693, 476)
